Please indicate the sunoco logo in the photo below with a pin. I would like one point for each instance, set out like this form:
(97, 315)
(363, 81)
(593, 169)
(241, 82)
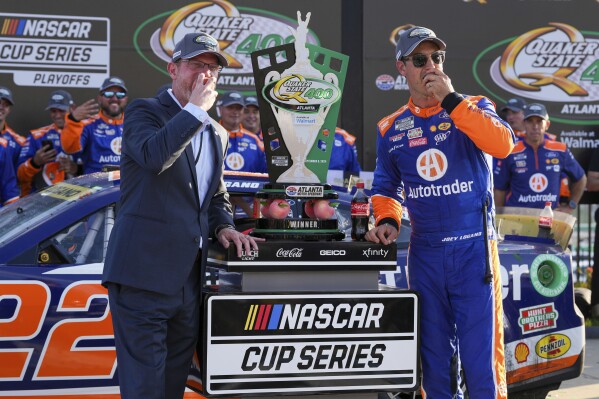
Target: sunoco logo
(312, 316)
(554, 62)
(239, 31)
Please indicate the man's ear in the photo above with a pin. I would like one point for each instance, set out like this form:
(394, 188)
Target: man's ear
(172, 69)
(548, 124)
(401, 67)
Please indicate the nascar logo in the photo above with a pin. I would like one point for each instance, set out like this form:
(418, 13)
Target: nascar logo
(308, 316)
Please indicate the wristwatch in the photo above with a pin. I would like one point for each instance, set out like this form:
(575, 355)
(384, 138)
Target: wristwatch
(572, 204)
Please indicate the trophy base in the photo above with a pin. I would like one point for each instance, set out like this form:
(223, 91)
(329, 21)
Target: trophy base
(302, 228)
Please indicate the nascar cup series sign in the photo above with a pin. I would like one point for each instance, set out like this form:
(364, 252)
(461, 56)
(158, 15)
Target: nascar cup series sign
(239, 31)
(265, 344)
(55, 50)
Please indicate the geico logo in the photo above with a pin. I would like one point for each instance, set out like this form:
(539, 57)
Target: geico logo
(434, 190)
(314, 357)
(66, 29)
(329, 252)
(343, 315)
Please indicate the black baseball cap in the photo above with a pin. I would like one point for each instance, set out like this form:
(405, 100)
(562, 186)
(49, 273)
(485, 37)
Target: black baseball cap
(113, 81)
(515, 104)
(198, 43)
(251, 100)
(60, 99)
(6, 94)
(410, 38)
(230, 98)
(536, 109)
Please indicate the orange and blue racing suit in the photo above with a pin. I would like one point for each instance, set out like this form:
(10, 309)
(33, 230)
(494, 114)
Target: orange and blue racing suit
(437, 162)
(98, 139)
(534, 176)
(9, 191)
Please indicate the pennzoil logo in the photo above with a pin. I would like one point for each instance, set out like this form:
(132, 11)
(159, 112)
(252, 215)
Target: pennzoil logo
(553, 346)
(239, 31)
(312, 316)
(556, 62)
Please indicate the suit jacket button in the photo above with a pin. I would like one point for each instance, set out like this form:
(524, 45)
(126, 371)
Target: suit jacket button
(197, 239)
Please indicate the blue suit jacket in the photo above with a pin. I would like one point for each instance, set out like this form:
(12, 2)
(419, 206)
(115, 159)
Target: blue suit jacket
(157, 233)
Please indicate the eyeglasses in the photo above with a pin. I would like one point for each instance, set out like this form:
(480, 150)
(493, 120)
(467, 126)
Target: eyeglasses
(420, 60)
(197, 65)
(119, 94)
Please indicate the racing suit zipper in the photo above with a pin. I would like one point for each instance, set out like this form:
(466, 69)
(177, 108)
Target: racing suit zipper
(488, 270)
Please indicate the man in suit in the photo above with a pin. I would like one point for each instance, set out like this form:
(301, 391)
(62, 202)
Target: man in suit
(173, 198)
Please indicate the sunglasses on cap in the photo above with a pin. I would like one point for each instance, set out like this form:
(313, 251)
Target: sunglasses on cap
(118, 94)
(420, 60)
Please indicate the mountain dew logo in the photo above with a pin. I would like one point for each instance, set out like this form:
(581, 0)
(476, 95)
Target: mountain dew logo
(238, 30)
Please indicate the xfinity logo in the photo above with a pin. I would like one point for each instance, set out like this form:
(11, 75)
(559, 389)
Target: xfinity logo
(375, 252)
(332, 252)
(289, 253)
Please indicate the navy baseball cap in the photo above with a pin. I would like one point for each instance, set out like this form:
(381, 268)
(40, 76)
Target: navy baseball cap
(515, 104)
(230, 98)
(251, 100)
(409, 39)
(198, 43)
(60, 99)
(536, 109)
(6, 94)
(113, 81)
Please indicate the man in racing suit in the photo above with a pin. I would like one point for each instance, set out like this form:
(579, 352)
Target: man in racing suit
(42, 162)
(97, 135)
(344, 155)
(532, 174)
(434, 156)
(246, 150)
(15, 141)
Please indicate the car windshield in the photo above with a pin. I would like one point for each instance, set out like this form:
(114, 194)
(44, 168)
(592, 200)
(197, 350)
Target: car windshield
(29, 211)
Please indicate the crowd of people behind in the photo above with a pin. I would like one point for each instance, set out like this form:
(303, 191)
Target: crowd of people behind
(87, 138)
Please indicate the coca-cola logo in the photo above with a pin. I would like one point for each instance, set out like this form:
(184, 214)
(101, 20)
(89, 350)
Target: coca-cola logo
(289, 253)
(360, 209)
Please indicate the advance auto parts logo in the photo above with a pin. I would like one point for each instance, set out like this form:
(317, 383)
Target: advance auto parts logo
(555, 63)
(239, 31)
(299, 94)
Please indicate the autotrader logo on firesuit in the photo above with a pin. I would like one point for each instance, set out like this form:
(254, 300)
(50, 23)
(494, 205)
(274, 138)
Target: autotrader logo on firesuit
(431, 166)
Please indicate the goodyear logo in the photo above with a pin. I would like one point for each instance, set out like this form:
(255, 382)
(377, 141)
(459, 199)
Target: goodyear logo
(553, 346)
(311, 316)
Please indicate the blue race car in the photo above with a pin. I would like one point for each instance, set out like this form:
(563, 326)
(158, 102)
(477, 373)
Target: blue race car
(56, 333)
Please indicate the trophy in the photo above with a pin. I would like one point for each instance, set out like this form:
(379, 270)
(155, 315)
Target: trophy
(299, 86)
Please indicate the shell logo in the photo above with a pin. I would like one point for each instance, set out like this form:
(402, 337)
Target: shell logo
(538, 182)
(521, 352)
(431, 164)
(553, 346)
